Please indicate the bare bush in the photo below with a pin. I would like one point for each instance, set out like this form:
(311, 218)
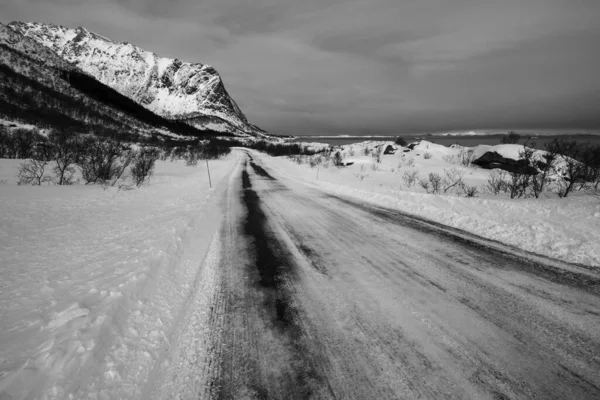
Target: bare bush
(315, 160)
(453, 179)
(435, 181)
(520, 182)
(427, 155)
(377, 154)
(338, 159)
(466, 156)
(362, 174)
(104, 161)
(191, 159)
(570, 170)
(143, 165)
(545, 164)
(469, 191)
(400, 141)
(66, 152)
(449, 158)
(497, 182)
(510, 138)
(298, 159)
(410, 177)
(31, 172)
(517, 184)
(19, 143)
(590, 158)
(424, 184)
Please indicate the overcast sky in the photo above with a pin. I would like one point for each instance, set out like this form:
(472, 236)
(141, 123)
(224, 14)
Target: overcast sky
(370, 66)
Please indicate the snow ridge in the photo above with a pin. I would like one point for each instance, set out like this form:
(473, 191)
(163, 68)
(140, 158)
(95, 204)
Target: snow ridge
(174, 89)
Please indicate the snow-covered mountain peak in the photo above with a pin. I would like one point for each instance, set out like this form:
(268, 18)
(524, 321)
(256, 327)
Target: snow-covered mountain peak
(192, 92)
(14, 40)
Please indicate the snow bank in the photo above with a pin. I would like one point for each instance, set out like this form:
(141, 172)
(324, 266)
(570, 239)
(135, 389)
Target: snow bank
(566, 229)
(93, 281)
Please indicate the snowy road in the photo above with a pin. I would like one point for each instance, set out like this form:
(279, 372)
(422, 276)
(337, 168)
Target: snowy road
(315, 296)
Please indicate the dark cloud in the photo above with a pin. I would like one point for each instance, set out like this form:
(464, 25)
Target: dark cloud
(369, 66)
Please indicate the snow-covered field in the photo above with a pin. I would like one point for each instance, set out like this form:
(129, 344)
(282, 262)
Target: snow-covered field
(567, 229)
(92, 280)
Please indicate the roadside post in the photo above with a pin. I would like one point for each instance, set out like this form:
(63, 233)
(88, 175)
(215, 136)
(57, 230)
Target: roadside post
(208, 170)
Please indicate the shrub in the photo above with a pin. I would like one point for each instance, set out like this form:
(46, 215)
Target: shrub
(436, 182)
(104, 161)
(469, 191)
(450, 158)
(545, 165)
(19, 143)
(453, 179)
(571, 170)
(362, 174)
(409, 178)
(591, 160)
(191, 160)
(496, 182)
(377, 154)
(424, 184)
(315, 160)
(31, 172)
(337, 159)
(510, 138)
(466, 156)
(400, 141)
(143, 165)
(518, 184)
(66, 151)
(427, 155)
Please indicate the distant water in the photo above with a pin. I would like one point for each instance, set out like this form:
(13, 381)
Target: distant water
(467, 140)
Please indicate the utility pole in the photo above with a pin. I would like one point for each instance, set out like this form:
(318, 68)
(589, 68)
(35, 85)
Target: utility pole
(208, 170)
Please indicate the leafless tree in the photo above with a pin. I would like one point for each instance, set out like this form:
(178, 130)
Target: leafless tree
(410, 177)
(511, 138)
(497, 182)
(66, 149)
(31, 172)
(568, 168)
(143, 165)
(453, 179)
(104, 161)
(435, 181)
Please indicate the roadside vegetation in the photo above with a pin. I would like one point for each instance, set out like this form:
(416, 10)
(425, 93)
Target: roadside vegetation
(67, 158)
(562, 168)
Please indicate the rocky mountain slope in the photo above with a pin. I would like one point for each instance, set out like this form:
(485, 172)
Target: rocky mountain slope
(40, 88)
(191, 93)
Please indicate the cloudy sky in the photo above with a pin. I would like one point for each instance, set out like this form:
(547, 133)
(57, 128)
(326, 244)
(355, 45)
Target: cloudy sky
(370, 66)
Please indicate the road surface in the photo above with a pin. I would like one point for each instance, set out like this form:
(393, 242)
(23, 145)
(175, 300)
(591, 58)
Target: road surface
(321, 297)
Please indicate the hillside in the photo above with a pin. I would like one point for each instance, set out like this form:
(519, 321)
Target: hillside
(191, 93)
(42, 89)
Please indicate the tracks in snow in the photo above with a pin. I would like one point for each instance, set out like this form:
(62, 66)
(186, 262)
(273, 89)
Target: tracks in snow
(321, 297)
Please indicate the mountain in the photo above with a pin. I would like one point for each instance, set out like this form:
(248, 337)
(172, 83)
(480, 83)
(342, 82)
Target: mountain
(192, 93)
(41, 88)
